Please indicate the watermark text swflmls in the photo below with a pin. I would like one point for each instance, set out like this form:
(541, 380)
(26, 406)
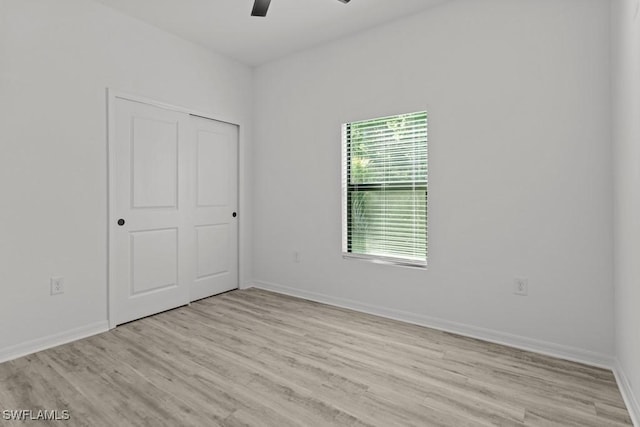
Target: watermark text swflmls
(35, 415)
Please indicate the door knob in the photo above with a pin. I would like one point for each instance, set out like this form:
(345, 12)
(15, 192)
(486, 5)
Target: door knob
(121, 222)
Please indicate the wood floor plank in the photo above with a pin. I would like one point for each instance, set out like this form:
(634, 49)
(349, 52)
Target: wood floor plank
(257, 358)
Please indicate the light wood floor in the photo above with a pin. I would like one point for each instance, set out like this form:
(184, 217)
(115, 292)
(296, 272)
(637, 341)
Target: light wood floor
(261, 359)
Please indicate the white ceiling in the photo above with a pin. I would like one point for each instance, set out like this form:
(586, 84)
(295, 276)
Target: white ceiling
(226, 26)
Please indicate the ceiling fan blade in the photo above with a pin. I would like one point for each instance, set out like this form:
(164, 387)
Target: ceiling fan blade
(260, 7)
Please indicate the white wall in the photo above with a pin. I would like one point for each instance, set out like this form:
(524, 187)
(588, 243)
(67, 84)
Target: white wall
(57, 59)
(520, 166)
(518, 95)
(626, 137)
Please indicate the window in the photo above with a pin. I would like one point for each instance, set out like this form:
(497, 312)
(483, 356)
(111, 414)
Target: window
(384, 186)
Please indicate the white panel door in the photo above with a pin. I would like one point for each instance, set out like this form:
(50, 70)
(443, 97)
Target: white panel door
(215, 207)
(153, 233)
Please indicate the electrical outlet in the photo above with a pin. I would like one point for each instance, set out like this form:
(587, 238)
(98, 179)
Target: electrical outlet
(57, 285)
(296, 257)
(521, 286)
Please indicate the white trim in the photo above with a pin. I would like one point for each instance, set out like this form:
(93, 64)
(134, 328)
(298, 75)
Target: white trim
(112, 96)
(379, 259)
(33, 346)
(573, 354)
(247, 285)
(630, 400)
(111, 197)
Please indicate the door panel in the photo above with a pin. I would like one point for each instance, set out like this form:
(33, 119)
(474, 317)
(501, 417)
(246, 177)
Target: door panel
(154, 248)
(213, 257)
(213, 168)
(154, 260)
(215, 226)
(155, 163)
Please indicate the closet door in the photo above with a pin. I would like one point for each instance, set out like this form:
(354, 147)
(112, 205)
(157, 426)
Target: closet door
(215, 207)
(152, 234)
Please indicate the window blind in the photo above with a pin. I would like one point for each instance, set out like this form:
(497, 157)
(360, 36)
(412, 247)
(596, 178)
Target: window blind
(385, 188)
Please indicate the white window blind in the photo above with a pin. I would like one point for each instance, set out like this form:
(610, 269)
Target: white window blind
(384, 183)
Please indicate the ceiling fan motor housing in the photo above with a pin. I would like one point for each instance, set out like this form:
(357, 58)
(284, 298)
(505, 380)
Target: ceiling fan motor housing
(260, 7)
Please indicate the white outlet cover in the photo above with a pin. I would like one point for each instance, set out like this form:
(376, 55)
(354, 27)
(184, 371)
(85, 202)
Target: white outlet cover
(57, 285)
(521, 286)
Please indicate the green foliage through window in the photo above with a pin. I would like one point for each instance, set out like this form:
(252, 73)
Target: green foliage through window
(385, 187)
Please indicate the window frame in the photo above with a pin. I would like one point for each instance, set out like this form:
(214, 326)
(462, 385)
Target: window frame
(349, 188)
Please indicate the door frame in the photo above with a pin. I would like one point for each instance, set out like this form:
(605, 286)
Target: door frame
(112, 96)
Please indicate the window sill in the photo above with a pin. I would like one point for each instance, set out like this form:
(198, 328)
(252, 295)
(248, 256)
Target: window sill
(421, 265)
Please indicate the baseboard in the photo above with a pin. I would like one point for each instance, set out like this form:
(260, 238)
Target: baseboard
(529, 344)
(246, 285)
(630, 399)
(33, 346)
